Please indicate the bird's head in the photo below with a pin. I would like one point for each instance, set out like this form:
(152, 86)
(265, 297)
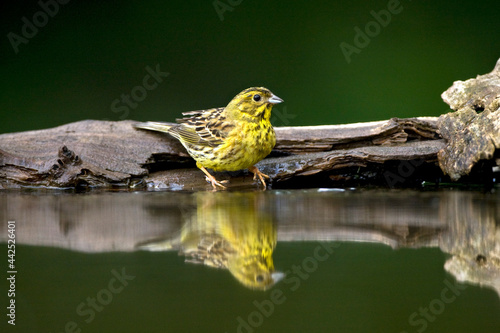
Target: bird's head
(253, 104)
(254, 273)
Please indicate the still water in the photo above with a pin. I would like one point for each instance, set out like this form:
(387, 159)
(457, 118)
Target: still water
(275, 261)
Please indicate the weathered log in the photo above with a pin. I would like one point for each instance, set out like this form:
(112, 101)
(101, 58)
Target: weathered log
(473, 131)
(307, 139)
(102, 153)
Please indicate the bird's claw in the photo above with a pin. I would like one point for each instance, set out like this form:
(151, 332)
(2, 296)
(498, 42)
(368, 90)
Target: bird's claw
(256, 173)
(216, 183)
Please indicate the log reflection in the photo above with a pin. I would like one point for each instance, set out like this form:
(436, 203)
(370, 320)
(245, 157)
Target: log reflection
(231, 230)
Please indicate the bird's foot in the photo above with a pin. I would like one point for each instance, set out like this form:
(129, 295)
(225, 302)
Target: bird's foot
(212, 179)
(256, 173)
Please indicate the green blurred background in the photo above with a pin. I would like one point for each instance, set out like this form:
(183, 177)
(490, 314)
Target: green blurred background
(92, 52)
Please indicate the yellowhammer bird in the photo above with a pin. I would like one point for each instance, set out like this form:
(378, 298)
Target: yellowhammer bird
(231, 138)
(230, 231)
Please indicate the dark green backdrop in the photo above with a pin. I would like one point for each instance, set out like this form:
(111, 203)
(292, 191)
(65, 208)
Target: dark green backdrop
(91, 52)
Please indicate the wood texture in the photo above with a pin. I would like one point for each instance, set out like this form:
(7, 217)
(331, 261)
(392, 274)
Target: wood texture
(94, 153)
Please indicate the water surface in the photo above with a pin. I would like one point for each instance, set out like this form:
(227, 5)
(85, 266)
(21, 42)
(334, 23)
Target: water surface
(353, 260)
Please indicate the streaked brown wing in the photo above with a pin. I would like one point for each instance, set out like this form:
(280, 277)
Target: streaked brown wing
(212, 250)
(205, 128)
(199, 113)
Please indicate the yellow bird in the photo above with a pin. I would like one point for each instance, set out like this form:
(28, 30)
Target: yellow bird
(230, 138)
(230, 231)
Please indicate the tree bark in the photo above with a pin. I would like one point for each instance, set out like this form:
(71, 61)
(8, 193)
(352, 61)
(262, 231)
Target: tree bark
(107, 154)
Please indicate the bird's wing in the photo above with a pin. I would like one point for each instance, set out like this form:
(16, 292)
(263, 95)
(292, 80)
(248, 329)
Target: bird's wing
(205, 128)
(212, 250)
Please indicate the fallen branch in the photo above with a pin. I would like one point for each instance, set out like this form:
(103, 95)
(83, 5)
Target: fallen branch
(103, 154)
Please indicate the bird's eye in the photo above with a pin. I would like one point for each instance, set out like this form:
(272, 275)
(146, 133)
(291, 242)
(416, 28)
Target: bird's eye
(259, 278)
(256, 97)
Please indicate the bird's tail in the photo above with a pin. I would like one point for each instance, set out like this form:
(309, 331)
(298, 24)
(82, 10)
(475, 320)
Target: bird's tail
(154, 126)
(165, 244)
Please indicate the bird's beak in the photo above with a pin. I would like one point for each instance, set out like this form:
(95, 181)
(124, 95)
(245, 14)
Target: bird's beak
(275, 99)
(277, 276)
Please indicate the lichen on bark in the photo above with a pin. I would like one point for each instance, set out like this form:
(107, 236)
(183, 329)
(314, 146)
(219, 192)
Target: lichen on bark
(472, 132)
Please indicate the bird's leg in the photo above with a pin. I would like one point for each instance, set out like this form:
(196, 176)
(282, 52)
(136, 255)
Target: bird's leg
(211, 178)
(256, 173)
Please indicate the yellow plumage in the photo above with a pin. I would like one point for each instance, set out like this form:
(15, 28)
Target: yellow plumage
(228, 231)
(232, 138)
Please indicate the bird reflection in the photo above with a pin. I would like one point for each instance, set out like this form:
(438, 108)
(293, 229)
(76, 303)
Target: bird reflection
(229, 231)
